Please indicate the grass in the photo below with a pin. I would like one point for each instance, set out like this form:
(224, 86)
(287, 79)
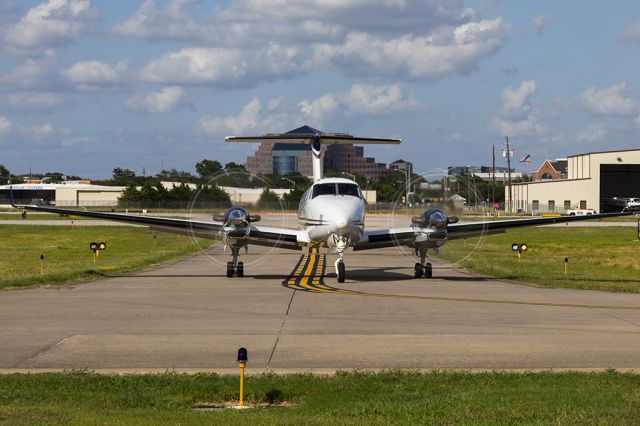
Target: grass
(600, 258)
(391, 397)
(69, 259)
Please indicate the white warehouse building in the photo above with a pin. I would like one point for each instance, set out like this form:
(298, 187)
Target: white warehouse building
(593, 180)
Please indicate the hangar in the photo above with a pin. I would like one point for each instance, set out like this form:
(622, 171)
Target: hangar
(594, 180)
(62, 194)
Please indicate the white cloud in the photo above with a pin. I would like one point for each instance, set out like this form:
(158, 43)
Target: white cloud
(173, 22)
(593, 133)
(90, 75)
(362, 100)
(50, 24)
(31, 101)
(248, 119)
(38, 131)
(245, 22)
(612, 100)
(444, 51)
(157, 102)
(32, 74)
(224, 67)
(517, 103)
(631, 32)
(518, 115)
(5, 126)
(540, 22)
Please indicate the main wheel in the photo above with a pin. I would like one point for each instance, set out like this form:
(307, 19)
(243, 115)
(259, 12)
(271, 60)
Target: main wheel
(428, 270)
(417, 270)
(229, 269)
(240, 270)
(341, 272)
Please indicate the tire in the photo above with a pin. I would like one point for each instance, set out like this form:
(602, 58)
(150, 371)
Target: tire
(417, 270)
(341, 272)
(229, 269)
(240, 270)
(428, 270)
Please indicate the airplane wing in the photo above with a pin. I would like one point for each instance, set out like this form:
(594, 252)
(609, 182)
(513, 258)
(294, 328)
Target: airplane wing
(407, 236)
(258, 235)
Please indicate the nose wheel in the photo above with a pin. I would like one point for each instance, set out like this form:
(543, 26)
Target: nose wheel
(420, 271)
(235, 267)
(340, 271)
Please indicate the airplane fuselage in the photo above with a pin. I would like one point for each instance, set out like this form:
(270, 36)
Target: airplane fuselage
(332, 212)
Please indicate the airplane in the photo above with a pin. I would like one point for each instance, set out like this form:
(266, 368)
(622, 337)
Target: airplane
(331, 214)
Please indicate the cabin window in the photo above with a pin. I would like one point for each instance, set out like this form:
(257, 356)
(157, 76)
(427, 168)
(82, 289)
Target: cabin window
(349, 189)
(324, 189)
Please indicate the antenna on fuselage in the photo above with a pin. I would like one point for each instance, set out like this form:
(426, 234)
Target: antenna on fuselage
(310, 136)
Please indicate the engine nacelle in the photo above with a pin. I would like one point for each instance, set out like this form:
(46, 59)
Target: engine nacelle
(433, 219)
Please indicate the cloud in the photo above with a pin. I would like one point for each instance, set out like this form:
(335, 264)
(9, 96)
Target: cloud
(361, 101)
(5, 126)
(245, 22)
(32, 74)
(175, 21)
(157, 102)
(248, 119)
(518, 115)
(593, 133)
(31, 101)
(631, 32)
(39, 131)
(223, 67)
(612, 100)
(445, 51)
(540, 22)
(91, 75)
(49, 25)
(517, 103)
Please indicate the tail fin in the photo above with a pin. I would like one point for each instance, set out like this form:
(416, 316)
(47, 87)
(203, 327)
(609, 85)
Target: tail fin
(310, 136)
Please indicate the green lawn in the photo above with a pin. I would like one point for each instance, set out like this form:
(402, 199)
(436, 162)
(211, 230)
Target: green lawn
(347, 398)
(67, 254)
(600, 258)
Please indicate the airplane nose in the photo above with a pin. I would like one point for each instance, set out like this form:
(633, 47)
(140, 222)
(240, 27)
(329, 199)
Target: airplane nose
(342, 222)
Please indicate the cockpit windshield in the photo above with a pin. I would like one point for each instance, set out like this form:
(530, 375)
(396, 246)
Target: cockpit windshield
(324, 189)
(348, 189)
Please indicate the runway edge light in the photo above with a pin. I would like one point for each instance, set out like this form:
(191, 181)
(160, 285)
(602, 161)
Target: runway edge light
(242, 362)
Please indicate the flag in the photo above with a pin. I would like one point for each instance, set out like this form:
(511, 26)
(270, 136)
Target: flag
(526, 159)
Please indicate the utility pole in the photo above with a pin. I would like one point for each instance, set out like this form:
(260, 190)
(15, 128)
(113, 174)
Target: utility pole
(509, 173)
(493, 177)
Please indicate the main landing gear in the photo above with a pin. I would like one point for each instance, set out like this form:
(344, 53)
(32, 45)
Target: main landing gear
(424, 268)
(340, 270)
(234, 266)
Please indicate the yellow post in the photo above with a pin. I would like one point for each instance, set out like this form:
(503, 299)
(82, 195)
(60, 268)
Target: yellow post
(465, 243)
(94, 256)
(519, 256)
(566, 265)
(242, 365)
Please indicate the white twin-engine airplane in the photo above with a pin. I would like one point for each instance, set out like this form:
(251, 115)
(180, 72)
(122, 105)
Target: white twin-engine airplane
(331, 214)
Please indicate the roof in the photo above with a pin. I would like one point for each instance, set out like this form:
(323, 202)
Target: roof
(290, 147)
(54, 186)
(400, 161)
(604, 152)
(304, 130)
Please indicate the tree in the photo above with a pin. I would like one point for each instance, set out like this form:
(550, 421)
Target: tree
(268, 198)
(208, 168)
(180, 193)
(130, 194)
(212, 194)
(293, 196)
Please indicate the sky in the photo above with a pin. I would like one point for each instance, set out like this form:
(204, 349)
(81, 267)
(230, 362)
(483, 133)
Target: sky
(87, 86)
